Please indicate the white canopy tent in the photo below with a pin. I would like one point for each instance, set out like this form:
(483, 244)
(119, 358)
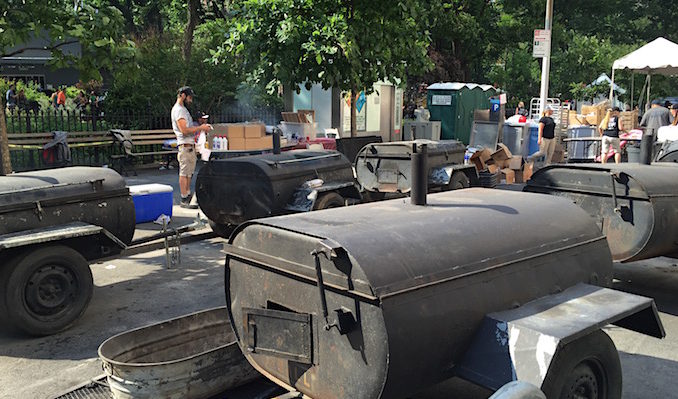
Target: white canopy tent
(657, 57)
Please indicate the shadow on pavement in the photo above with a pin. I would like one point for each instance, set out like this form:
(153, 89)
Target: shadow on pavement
(647, 376)
(140, 292)
(655, 278)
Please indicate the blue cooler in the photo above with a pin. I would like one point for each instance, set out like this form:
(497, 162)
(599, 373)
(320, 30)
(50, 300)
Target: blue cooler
(151, 201)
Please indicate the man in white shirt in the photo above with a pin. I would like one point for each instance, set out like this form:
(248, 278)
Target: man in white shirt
(182, 124)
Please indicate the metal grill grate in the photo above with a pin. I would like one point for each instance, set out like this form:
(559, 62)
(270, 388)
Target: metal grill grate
(95, 389)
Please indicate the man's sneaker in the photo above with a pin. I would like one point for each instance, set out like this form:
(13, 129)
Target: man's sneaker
(186, 203)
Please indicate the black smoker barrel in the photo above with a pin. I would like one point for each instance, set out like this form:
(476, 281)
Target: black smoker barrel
(387, 167)
(668, 153)
(231, 191)
(37, 200)
(634, 205)
(406, 287)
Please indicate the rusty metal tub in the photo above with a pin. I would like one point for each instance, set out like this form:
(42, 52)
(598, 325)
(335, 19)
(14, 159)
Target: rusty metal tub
(194, 356)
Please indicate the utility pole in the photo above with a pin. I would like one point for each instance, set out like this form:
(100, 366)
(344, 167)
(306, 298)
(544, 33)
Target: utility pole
(546, 61)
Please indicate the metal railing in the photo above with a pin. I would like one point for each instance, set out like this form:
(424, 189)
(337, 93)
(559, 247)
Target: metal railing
(94, 154)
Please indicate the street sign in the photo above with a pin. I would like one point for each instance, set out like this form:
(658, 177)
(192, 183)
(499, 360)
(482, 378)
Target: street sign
(542, 43)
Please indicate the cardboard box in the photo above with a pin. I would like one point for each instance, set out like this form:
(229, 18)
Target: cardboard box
(236, 144)
(254, 130)
(528, 169)
(595, 113)
(558, 154)
(629, 119)
(502, 153)
(493, 168)
(577, 120)
(509, 175)
(259, 143)
(235, 131)
(515, 163)
(480, 158)
(220, 129)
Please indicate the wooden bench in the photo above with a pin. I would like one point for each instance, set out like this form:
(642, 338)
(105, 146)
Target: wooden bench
(129, 141)
(37, 141)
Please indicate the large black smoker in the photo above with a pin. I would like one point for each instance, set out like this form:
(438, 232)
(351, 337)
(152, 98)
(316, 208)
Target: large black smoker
(634, 205)
(381, 300)
(231, 191)
(52, 225)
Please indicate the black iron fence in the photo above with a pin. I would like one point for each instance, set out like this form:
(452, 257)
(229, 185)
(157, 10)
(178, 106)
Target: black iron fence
(90, 151)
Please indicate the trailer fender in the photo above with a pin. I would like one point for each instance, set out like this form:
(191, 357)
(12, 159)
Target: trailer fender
(520, 344)
(63, 232)
(304, 198)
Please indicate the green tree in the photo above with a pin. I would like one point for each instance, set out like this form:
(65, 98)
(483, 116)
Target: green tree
(98, 31)
(345, 44)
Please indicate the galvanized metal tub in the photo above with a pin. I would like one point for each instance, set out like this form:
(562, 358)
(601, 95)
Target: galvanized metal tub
(386, 167)
(635, 206)
(406, 287)
(193, 356)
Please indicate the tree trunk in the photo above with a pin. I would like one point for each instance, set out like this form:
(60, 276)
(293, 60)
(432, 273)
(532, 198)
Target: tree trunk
(191, 23)
(6, 164)
(354, 114)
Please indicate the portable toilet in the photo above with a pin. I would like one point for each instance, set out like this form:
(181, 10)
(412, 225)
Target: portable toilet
(453, 104)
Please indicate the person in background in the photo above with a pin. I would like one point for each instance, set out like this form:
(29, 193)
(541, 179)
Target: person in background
(547, 137)
(656, 117)
(609, 130)
(182, 124)
(53, 99)
(10, 98)
(81, 100)
(61, 98)
(520, 110)
(21, 100)
(674, 114)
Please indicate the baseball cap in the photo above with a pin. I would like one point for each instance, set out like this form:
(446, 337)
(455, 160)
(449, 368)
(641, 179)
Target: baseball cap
(186, 90)
(674, 106)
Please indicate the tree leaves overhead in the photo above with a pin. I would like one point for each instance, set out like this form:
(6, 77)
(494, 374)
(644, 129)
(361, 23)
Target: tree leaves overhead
(337, 43)
(97, 29)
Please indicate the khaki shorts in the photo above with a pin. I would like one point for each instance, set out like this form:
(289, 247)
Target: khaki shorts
(610, 142)
(187, 159)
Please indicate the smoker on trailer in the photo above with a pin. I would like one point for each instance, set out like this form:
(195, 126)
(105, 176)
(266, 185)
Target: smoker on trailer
(232, 191)
(52, 225)
(384, 299)
(386, 167)
(634, 205)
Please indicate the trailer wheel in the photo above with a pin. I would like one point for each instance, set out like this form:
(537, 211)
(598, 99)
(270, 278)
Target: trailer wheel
(47, 290)
(329, 200)
(458, 181)
(588, 368)
(222, 230)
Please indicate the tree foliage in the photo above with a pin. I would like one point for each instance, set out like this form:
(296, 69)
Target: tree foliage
(349, 45)
(97, 29)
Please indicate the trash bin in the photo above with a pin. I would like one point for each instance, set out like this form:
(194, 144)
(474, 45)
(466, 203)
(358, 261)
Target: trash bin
(633, 153)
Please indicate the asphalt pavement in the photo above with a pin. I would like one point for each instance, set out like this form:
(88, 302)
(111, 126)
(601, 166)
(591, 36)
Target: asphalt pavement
(139, 290)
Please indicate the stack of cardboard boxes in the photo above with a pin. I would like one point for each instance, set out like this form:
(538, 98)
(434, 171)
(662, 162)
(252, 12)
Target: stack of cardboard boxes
(513, 168)
(244, 136)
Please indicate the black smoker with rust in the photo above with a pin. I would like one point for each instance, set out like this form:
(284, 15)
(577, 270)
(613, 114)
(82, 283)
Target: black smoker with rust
(52, 224)
(383, 299)
(232, 191)
(634, 205)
